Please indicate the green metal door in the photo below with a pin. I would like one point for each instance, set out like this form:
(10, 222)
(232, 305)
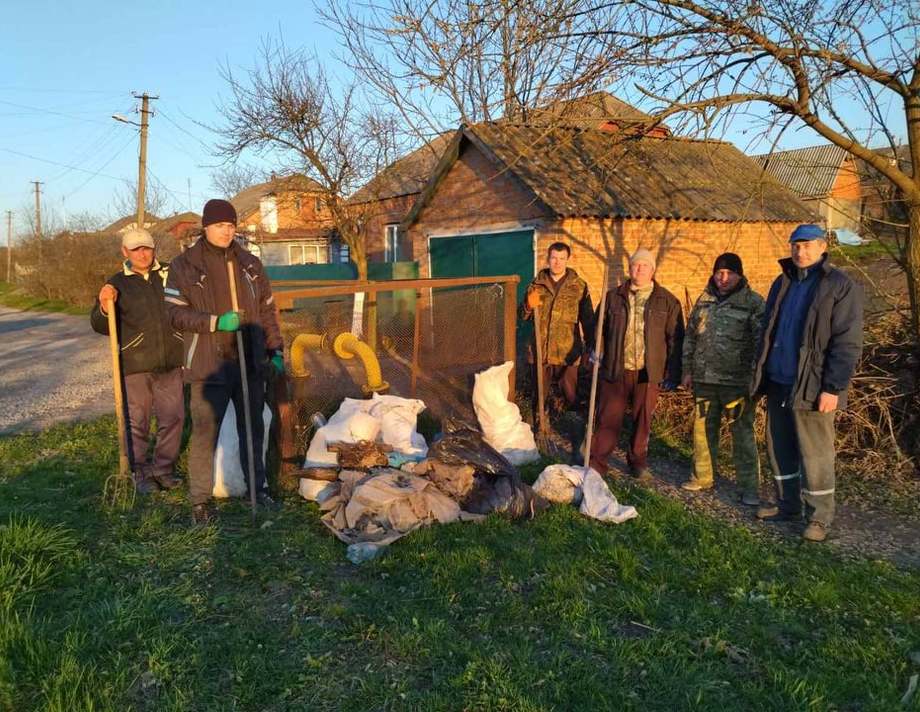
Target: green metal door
(485, 255)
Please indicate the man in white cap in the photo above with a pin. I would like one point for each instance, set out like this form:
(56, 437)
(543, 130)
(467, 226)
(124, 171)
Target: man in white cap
(151, 360)
(643, 337)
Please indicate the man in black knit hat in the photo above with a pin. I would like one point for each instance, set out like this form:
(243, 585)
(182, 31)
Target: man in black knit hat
(718, 361)
(199, 303)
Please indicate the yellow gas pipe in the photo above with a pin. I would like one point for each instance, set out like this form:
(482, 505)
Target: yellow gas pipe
(302, 343)
(347, 346)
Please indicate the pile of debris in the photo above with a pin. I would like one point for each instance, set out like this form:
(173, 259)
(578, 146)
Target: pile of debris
(376, 479)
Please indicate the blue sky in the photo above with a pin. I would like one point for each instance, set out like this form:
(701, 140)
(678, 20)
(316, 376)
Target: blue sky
(67, 67)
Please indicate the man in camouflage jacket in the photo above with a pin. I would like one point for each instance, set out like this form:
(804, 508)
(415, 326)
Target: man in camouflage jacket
(718, 360)
(567, 319)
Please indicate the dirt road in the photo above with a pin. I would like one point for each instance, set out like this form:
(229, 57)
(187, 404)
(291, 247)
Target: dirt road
(53, 368)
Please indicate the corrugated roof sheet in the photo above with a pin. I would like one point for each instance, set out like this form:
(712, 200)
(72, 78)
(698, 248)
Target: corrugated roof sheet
(588, 111)
(589, 172)
(405, 176)
(809, 172)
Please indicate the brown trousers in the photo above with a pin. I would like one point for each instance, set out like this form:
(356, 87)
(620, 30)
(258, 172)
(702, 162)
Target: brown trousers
(154, 394)
(631, 390)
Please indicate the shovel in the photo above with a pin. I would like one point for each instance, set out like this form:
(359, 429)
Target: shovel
(247, 414)
(541, 387)
(598, 352)
(119, 490)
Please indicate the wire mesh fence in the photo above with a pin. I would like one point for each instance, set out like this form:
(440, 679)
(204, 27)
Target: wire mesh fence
(421, 339)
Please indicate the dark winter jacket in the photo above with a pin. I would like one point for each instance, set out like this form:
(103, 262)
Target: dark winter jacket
(722, 335)
(832, 335)
(198, 292)
(147, 340)
(566, 316)
(664, 334)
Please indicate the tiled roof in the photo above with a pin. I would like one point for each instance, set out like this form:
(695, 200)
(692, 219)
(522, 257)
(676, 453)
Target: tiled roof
(809, 172)
(247, 201)
(595, 173)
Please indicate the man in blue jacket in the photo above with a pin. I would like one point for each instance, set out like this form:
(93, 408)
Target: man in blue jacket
(810, 344)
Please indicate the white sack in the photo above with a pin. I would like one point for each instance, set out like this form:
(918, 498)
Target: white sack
(388, 419)
(229, 477)
(500, 419)
(398, 420)
(565, 484)
(318, 490)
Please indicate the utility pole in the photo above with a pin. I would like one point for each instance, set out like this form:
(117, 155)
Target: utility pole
(9, 246)
(38, 207)
(142, 158)
(142, 154)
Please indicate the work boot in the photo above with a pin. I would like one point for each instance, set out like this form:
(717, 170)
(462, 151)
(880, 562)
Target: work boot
(695, 485)
(750, 499)
(202, 515)
(146, 486)
(167, 481)
(643, 475)
(815, 531)
(772, 513)
(264, 500)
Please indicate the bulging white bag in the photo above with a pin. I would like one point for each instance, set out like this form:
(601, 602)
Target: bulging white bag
(565, 484)
(500, 419)
(229, 478)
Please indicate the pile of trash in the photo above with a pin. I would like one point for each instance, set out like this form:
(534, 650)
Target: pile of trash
(375, 478)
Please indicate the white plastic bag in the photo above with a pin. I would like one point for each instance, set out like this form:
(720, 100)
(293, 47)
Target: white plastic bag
(398, 420)
(500, 419)
(565, 484)
(229, 477)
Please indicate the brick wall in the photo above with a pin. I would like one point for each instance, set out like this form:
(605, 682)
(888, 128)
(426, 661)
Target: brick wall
(378, 215)
(473, 195)
(295, 210)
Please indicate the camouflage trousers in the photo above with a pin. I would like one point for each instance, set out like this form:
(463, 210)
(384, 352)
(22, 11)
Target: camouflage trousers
(710, 402)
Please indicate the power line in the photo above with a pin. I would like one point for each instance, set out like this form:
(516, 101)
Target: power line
(57, 163)
(51, 112)
(103, 166)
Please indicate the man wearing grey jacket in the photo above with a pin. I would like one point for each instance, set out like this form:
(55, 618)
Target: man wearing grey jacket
(809, 347)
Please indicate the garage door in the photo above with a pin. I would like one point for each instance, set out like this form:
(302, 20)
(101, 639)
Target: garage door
(484, 255)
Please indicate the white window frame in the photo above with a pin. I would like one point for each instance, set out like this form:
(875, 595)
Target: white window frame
(303, 249)
(391, 242)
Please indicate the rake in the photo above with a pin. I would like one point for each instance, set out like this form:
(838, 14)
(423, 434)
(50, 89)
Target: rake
(118, 491)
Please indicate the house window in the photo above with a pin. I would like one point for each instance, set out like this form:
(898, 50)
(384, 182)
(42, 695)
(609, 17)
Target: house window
(297, 204)
(391, 243)
(303, 254)
(317, 204)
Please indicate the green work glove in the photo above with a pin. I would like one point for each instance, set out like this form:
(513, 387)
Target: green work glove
(229, 321)
(278, 363)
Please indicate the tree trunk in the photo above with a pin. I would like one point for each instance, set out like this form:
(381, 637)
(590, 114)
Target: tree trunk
(912, 251)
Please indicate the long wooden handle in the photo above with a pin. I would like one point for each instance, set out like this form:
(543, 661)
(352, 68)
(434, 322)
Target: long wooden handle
(247, 413)
(541, 386)
(115, 351)
(598, 352)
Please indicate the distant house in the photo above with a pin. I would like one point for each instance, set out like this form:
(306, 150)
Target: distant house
(184, 228)
(287, 220)
(825, 177)
(502, 193)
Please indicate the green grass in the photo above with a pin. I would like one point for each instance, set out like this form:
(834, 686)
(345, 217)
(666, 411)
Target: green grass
(868, 252)
(114, 611)
(10, 296)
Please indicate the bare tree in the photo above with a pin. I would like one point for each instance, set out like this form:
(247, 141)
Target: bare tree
(442, 63)
(839, 67)
(234, 178)
(157, 200)
(285, 107)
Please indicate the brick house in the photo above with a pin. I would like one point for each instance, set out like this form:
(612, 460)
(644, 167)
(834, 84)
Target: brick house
(502, 193)
(286, 221)
(883, 209)
(825, 177)
(183, 228)
(129, 222)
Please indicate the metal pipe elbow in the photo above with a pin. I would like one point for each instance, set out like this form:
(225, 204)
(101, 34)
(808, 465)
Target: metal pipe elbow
(347, 346)
(299, 346)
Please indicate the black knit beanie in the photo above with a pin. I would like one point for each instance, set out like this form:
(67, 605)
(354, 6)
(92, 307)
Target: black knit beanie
(728, 260)
(217, 211)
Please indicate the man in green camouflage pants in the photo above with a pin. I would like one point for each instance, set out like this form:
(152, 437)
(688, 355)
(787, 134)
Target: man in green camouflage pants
(718, 361)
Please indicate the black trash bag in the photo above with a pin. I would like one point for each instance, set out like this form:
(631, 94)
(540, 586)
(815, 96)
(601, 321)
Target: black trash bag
(497, 484)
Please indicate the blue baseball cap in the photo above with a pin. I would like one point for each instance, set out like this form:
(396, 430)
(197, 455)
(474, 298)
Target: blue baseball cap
(806, 233)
